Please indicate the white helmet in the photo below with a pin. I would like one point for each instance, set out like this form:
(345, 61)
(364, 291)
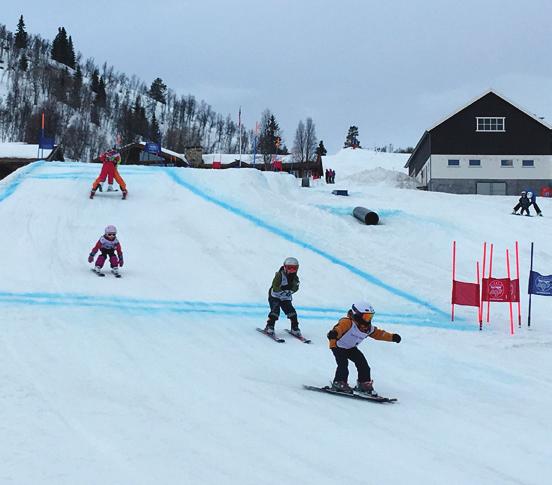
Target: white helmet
(362, 312)
(291, 265)
(529, 195)
(110, 230)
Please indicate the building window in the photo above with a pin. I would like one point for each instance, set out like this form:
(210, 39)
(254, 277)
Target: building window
(528, 163)
(454, 163)
(506, 163)
(490, 124)
(475, 163)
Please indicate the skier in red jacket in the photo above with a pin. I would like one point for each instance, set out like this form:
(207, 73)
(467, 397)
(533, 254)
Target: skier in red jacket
(110, 160)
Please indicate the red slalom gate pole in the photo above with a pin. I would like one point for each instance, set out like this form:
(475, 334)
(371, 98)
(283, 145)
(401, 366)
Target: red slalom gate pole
(453, 276)
(519, 281)
(479, 309)
(490, 276)
(482, 277)
(510, 296)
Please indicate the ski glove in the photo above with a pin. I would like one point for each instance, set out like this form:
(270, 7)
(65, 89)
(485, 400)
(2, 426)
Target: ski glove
(332, 334)
(90, 258)
(121, 262)
(396, 338)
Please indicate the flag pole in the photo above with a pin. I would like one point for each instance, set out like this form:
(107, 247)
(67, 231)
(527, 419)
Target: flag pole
(479, 309)
(530, 273)
(510, 295)
(490, 276)
(453, 276)
(482, 284)
(240, 133)
(518, 292)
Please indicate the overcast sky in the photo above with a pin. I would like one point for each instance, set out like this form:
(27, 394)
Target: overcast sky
(391, 67)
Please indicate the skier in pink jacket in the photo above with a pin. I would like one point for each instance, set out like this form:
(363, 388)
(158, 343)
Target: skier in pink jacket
(107, 245)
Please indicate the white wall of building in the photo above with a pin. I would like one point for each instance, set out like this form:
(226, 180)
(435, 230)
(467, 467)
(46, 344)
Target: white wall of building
(490, 167)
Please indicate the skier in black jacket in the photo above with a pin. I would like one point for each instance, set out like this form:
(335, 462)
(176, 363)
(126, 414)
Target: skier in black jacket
(284, 284)
(524, 203)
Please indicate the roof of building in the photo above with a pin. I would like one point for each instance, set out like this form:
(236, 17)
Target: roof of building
(477, 98)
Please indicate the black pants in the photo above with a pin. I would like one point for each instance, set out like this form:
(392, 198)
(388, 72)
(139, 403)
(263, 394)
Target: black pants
(537, 208)
(523, 209)
(276, 304)
(343, 356)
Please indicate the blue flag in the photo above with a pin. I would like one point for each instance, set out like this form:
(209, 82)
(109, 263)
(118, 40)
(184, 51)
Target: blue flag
(540, 284)
(46, 143)
(151, 147)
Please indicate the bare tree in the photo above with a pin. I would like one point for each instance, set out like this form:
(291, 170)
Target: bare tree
(310, 140)
(298, 149)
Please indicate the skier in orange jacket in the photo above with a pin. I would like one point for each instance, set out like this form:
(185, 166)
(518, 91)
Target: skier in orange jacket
(110, 160)
(344, 338)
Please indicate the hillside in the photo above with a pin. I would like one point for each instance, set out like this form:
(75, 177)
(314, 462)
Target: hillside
(159, 377)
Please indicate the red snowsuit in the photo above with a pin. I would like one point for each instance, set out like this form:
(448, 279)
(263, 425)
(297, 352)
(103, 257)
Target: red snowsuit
(109, 171)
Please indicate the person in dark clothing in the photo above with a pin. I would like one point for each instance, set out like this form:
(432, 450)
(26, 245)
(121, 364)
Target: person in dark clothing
(524, 203)
(533, 199)
(284, 284)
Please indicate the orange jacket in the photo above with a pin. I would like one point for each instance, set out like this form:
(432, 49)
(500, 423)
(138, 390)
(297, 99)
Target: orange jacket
(345, 324)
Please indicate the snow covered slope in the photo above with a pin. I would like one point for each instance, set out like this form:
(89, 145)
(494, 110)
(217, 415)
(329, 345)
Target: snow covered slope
(159, 377)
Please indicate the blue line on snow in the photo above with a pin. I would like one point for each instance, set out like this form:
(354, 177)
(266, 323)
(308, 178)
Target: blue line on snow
(290, 237)
(12, 186)
(150, 306)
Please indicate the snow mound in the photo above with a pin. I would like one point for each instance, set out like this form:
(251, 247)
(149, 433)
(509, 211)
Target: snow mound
(382, 176)
(347, 161)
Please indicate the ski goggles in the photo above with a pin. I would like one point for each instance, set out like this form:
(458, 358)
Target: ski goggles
(110, 234)
(367, 317)
(291, 269)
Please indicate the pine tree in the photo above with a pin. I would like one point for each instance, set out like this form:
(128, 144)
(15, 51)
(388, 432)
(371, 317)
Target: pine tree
(158, 90)
(23, 62)
(75, 95)
(352, 138)
(62, 48)
(321, 150)
(21, 36)
(139, 120)
(270, 140)
(70, 54)
(101, 95)
(154, 130)
(60, 86)
(59, 46)
(95, 81)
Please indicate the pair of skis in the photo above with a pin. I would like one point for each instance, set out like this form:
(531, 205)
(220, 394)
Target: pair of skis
(99, 273)
(93, 193)
(352, 395)
(280, 340)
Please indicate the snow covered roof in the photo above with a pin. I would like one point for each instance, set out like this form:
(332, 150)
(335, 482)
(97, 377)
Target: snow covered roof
(22, 150)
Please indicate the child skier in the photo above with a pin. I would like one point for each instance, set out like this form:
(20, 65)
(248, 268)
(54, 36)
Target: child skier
(533, 201)
(284, 284)
(110, 160)
(107, 245)
(344, 338)
(524, 203)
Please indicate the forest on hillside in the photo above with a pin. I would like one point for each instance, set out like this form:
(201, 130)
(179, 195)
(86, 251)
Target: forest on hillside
(88, 107)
